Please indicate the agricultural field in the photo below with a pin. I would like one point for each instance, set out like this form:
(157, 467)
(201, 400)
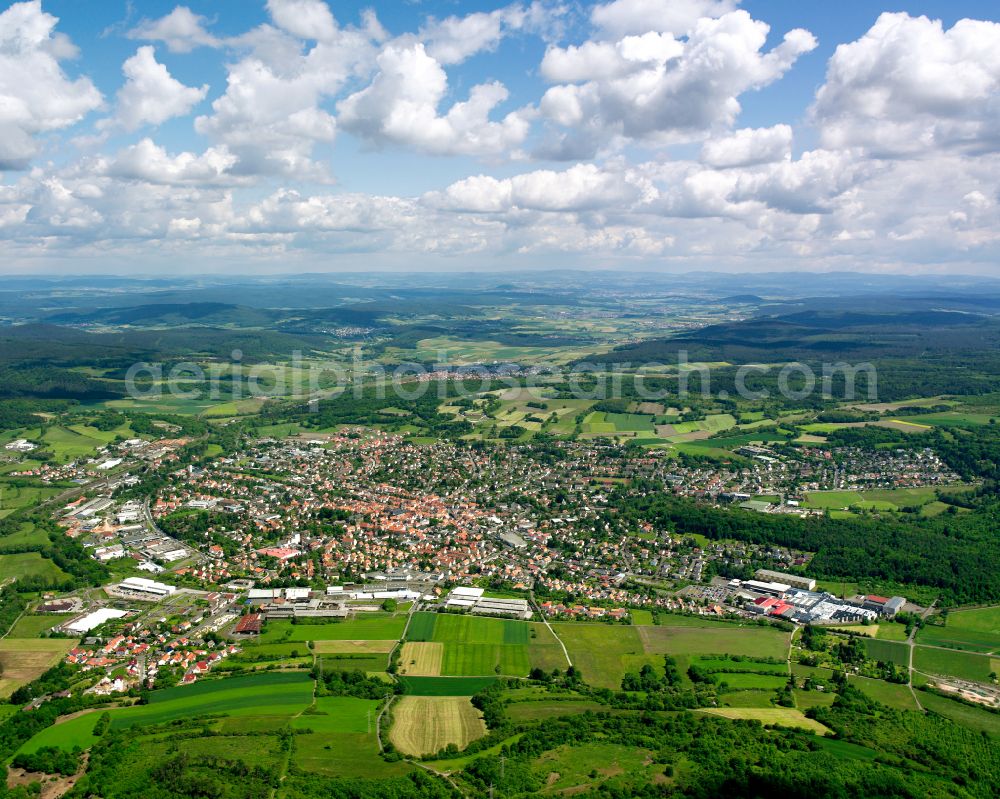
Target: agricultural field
(367, 626)
(887, 651)
(724, 638)
(445, 686)
(351, 647)
(276, 694)
(24, 659)
(31, 626)
(977, 630)
(369, 664)
(540, 709)
(29, 564)
(599, 650)
(949, 662)
(641, 617)
(604, 652)
(891, 694)
(427, 724)
(474, 645)
(421, 658)
(338, 714)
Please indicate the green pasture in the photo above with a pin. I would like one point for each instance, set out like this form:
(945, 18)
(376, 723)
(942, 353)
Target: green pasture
(445, 686)
(948, 662)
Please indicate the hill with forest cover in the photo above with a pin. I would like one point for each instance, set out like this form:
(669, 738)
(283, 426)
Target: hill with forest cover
(813, 336)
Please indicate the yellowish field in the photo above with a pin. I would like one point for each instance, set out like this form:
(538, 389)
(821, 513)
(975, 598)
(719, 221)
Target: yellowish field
(871, 630)
(421, 658)
(770, 716)
(425, 724)
(353, 647)
(24, 659)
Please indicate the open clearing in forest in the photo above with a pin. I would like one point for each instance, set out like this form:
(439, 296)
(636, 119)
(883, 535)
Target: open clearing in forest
(427, 724)
(769, 716)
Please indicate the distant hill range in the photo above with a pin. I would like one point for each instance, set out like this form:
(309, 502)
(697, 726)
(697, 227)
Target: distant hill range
(819, 336)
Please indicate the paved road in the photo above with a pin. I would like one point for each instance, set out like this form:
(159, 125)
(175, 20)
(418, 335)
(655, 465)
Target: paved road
(911, 643)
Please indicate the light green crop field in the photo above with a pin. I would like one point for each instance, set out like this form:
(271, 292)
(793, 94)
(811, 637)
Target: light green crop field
(887, 651)
(947, 662)
(751, 681)
(368, 626)
(34, 626)
(446, 686)
(641, 617)
(28, 564)
(891, 694)
(67, 734)
(977, 629)
(338, 714)
(599, 650)
(265, 694)
(729, 639)
(890, 631)
(474, 645)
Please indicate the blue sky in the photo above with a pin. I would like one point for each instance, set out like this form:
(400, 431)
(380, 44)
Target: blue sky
(665, 134)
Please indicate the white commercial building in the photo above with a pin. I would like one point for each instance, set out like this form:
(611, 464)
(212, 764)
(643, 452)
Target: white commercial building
(143, 585)
(96, 619)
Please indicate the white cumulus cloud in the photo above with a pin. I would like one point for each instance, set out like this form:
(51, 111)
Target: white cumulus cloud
(908, 86)
(36, 96)
(151, 95)
(400, 106)
(181, 31)
(749, 146)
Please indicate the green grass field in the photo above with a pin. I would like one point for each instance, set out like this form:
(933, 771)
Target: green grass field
(474, 645)
(599, 650)
(338, 714)
(641, 617)
(724, 638)
(266, 694)
(29, 564)
(27, 535)
(34, 626)
(965, 665)
(368, 626)
(751, 681)
(891, 694)
(887, 651)
(445, 686)
(972, 717)
(977, 630)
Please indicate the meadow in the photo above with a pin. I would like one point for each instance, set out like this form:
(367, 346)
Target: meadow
(947, 662)
(29, 564)
(367, 626)
(887, 651)
(445, 686)
(32, 626)
(891, 694)
(769, 717)
(976, 630)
